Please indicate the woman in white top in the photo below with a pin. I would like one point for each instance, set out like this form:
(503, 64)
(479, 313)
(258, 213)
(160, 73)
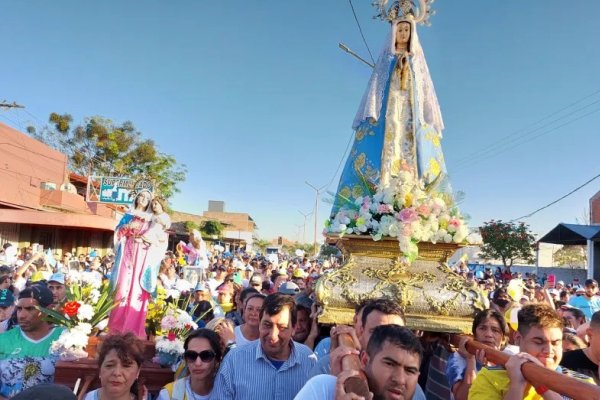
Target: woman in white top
(248, 331)
(202, 357)
(120, 359)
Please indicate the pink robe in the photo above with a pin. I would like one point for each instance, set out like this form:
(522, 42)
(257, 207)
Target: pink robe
(132, 258)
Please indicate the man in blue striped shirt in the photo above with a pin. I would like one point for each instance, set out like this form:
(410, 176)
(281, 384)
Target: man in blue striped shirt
(273, 367)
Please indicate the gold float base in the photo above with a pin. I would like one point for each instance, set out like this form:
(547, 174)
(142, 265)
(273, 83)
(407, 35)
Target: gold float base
(433, 297)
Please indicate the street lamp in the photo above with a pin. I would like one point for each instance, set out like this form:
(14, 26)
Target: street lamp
(304, 232)
(317, 193)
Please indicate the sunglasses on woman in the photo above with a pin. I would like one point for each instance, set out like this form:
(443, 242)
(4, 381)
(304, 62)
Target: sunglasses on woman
(205, 355)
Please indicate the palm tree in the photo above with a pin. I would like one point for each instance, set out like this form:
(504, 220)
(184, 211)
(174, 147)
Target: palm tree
(261, 244)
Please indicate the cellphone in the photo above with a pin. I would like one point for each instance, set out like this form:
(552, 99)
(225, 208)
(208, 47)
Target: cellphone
(551, 281)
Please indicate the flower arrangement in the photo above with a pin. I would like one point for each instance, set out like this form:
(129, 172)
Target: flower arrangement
(175, 326)
(404, 209)
(156, 311)
(84, 313)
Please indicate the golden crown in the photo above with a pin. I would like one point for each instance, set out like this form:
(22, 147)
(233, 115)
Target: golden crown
(404, 9)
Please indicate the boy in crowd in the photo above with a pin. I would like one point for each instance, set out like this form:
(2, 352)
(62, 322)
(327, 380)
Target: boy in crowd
(539, 336)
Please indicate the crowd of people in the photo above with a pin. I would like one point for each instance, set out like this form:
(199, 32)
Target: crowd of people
(259, 336)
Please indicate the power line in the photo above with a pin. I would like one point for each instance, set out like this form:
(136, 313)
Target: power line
(557, 200)
(505, 143)
(341, 160)
(360, 30)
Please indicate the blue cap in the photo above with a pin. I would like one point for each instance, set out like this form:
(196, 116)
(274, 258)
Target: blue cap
(7, 298)
(57, 277)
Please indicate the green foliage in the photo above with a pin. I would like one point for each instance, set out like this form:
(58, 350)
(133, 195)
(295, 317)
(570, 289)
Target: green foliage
(508, 242)
(101, 147)
(261, 244)
(571, 256)
(212, 228)
(328, 250)
(191, 225)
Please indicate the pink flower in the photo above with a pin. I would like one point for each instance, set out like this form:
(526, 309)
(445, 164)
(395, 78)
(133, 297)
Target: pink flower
(168, 322)
(407, 230)
(408, 215)
(384, 209)
(454, 222)
(171, 336)
(424, 210)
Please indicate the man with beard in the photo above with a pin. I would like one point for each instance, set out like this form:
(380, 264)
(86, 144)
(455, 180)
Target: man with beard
(539, 336)
(273, 367)
(25, 359)
(391, 364)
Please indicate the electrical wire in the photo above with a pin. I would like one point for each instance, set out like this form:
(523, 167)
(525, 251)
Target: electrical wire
(341, 160)
(361, 32)
(557, 200)
(519, 131)
(498, 148)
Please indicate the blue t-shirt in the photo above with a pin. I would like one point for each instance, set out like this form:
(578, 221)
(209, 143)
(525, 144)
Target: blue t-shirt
(588, 307)
(455, 368)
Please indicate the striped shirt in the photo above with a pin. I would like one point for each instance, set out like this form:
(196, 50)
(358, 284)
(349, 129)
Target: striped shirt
(246, 373)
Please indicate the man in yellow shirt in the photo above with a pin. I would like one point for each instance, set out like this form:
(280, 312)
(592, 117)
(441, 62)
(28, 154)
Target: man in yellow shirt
(539, 337)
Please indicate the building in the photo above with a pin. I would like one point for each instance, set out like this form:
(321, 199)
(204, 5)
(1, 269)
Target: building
(595, 209)
(40, 206)
(239, 228)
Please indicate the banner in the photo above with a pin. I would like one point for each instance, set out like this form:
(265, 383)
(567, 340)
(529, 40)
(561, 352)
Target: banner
(115, 190)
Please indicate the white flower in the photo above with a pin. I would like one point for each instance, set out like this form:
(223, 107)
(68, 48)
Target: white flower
(95, 296)
(85, 312)
(167, 346)
(82, 327)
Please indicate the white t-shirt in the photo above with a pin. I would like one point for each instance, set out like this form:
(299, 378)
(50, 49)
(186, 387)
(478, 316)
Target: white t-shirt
(183, 385)
(240, 340)
(319, 387)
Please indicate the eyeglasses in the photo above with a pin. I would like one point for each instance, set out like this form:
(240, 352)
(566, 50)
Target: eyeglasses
(205, 355)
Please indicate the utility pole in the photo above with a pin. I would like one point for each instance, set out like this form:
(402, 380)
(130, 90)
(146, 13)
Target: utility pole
(304, 232)
(317, 193)
(5, 104)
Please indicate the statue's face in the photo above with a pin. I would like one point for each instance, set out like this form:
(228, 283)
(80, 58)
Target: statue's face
(402, 33)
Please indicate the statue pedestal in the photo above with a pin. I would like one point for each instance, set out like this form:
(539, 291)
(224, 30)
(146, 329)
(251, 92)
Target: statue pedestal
(433, 297)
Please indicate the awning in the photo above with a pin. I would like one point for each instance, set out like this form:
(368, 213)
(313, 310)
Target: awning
(572, 234)
(58, 219)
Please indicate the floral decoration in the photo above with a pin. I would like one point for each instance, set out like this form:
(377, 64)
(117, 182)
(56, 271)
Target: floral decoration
(175, 326)
(84, 312)
(405, 210)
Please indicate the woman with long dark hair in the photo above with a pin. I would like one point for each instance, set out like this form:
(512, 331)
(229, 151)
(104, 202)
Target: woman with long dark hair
(202, 357)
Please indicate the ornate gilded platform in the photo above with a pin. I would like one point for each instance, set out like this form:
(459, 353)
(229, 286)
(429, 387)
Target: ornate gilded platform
(434, 298)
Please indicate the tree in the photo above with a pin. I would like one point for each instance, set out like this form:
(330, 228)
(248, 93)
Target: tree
(212, 228)
(101, 147)
(261, 244)
(571, 256)
(508, 242)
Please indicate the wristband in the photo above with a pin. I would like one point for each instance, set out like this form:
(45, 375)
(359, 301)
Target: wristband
(541, 389)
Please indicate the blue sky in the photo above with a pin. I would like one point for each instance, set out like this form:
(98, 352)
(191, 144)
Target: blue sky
(256, 98)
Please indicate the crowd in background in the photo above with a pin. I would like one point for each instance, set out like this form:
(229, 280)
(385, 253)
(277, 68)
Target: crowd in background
(259, 334)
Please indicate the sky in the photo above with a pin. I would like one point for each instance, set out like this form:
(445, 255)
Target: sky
(256, 98)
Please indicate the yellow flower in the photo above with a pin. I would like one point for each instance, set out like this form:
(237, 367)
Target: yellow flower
(408, 200)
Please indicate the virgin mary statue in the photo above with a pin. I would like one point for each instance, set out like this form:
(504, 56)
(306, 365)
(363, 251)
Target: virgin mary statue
(398, 124)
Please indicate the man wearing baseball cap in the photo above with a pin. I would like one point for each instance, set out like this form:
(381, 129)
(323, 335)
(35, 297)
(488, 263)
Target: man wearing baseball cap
(25, 359)
(589, 303)
(56, 284)
(7, 306)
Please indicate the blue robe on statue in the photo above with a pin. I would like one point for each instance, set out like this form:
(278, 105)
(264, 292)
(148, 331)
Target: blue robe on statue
(398, 124)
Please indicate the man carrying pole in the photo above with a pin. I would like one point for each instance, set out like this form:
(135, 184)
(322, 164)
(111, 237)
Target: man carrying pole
(539, 337)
